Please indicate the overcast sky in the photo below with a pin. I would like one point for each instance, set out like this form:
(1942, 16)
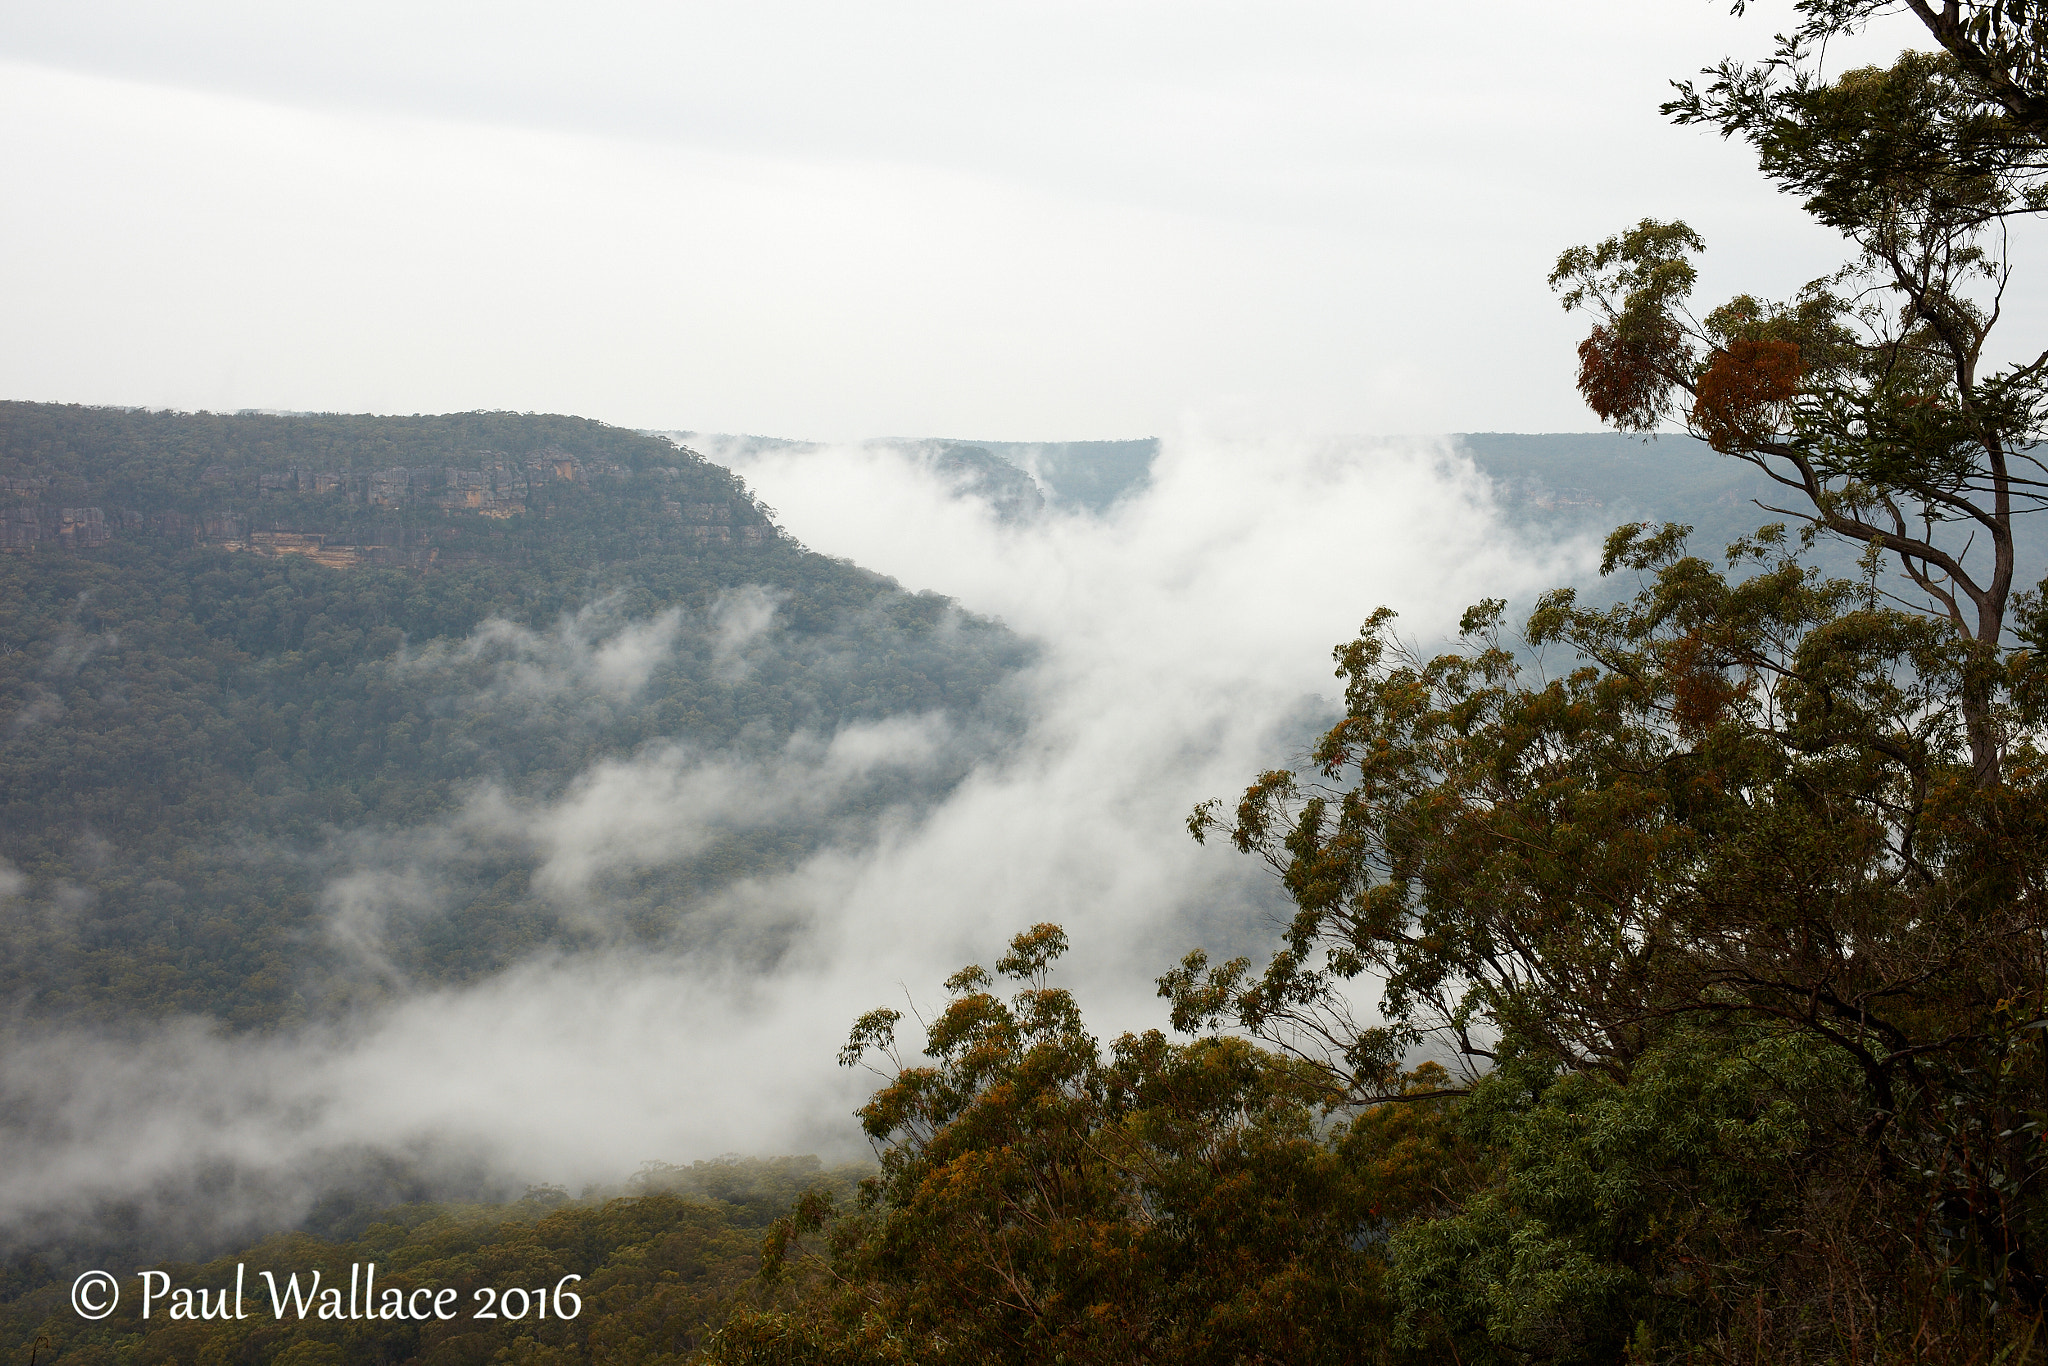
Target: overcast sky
(1034, 221)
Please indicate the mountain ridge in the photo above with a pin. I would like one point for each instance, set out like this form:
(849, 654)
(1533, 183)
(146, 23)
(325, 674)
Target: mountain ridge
(269, 665)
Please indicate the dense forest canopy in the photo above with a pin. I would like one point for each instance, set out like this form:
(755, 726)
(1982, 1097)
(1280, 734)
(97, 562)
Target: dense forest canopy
(654, 1267)
(246, 645)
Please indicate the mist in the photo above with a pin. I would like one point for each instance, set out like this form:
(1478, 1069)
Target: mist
(1183, 643)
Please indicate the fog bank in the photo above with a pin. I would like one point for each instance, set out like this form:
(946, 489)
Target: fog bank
(1185, 639)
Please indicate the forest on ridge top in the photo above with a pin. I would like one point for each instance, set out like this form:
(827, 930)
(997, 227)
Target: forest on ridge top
(206, 706)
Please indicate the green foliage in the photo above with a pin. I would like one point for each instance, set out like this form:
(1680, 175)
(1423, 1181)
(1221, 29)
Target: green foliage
(1039, 1201)
(1841, 842)
(1733, 927)
(1621, 1212)
(1725, 939)
(660, 1271)
(193, 738)
(1740, 968)
(1744, 965)
(1872, 397)
(1622, 366)
(1485, 825)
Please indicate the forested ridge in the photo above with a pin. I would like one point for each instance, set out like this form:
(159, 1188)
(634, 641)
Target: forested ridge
(191, 723)
(1666, 971)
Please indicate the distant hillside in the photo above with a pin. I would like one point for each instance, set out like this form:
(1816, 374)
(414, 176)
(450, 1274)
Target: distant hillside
(346, 491)
(1558, 478)
(1557, 483)
(969, 468)
(1597, 480)
(256, 666)
(1088, 474)
(287, 701)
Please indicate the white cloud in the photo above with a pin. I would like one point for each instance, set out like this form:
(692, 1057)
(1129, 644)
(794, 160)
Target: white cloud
(1184, 646)
(741, 617)
(671, 802)
(591, 650)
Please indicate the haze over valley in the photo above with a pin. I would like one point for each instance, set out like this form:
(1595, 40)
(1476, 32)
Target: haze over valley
(512, 797)
(908, 685)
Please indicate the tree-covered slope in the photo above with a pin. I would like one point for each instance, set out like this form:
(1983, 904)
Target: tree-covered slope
(248, 655)
(643, 1274)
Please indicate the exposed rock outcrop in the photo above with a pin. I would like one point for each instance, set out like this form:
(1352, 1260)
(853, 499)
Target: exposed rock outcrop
(345, 518)
(26, 526)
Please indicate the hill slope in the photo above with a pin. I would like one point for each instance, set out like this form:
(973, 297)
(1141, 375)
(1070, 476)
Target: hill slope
(288, 703)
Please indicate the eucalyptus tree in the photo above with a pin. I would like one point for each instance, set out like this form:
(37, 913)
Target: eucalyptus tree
(1042, 1199)
(1759, 813)
(1875, 397)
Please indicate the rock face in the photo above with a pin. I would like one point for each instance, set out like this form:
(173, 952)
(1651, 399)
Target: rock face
(500, 486)
(27, 526)
(396, 515)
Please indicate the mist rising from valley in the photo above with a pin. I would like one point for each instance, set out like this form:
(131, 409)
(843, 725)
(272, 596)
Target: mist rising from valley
(1180, 639)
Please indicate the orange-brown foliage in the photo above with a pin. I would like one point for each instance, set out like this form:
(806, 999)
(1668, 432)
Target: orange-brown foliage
(1743, 393)
(1625, 380)
(1700, 692)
